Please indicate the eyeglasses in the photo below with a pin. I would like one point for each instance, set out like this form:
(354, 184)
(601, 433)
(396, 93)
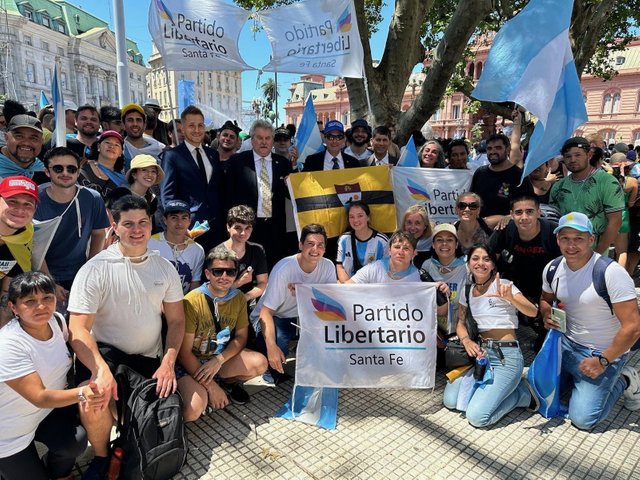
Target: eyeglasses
(58, 169)
(334, 137)
(217, 272)
(470, 206)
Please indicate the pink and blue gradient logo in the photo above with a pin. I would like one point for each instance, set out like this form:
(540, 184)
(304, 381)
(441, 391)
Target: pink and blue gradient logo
(163, 11)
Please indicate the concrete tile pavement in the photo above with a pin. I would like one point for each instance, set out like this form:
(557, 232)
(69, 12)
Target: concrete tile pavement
(407, 434)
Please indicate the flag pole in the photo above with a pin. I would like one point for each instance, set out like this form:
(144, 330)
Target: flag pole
(122, 66)
(366, 91)
(175, 127)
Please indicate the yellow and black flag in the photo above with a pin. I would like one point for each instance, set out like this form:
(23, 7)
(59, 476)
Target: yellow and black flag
(321, 197)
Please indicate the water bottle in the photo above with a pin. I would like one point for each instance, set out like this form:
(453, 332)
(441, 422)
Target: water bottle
(115, 464)
(480, 368)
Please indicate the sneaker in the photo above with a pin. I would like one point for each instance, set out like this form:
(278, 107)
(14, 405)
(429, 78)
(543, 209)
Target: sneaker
(534, 405)
(632, 392)
(97, 469)
(268, 379)
(237, 394)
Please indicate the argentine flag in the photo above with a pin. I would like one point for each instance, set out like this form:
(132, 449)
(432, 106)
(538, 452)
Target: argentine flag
(43, 100)
(313, 405)
(544, 376)
(409, 156)
(308, 139)
(531, 64)
(60, 133)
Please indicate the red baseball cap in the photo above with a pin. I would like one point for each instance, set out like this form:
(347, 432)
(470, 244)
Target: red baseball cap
(12, 186)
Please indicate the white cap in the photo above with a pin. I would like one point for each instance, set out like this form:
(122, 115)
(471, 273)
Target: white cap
(69, 105)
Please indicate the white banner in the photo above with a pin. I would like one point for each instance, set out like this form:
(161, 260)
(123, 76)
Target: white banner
(319, 36)
(367, 336)
(435, 188)
(198, 35)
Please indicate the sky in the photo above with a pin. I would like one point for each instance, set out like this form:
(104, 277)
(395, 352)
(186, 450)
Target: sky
(255, 48)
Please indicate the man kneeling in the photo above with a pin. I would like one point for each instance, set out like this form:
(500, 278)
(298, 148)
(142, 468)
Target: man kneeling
(212, 359)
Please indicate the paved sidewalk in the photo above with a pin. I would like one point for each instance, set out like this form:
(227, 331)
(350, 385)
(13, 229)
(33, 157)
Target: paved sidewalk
(406, 434)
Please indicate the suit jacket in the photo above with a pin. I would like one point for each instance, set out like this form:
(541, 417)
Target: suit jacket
(242, 183)
(392, 161)
(315, 162)
(183, 181)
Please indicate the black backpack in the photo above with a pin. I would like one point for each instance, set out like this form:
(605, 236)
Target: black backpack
(151, 429)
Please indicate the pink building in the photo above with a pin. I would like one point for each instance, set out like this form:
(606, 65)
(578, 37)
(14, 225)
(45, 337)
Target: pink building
(613, 106)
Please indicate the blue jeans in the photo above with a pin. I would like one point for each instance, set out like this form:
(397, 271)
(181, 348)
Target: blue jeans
(285, 332)
(591, 398)
(494, 400)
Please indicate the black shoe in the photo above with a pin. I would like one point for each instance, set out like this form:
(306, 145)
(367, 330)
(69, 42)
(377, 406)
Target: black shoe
(237, 394)
(97, 469)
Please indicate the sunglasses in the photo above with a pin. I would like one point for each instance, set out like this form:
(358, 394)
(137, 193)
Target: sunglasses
(217, 272)
(58, 169)
(470, 206)
(334, 137)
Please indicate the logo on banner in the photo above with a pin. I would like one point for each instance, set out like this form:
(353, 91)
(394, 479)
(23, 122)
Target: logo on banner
(344, 22)
(417, 192)
(349, 192)
(164, 12)
(326, 308)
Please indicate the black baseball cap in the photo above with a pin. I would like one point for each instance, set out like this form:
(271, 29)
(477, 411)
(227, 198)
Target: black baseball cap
(579, 142)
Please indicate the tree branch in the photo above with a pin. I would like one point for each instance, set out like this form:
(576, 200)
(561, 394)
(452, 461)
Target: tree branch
(586, 30)
(468, 14)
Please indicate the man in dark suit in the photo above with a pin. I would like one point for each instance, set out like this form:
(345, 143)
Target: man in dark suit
(333, 157)
(192, 174)
(381, 141)
(256, 178)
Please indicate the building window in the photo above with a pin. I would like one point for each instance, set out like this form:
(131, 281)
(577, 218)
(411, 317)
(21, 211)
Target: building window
(61, 51)
(456, 112)
(48, 75)
(210, 81)
(608, 135)
(28, 13)
(611, 103)
(636, 138)
(60, 27)
(27, 40)
(615, 108)
(63, 80)
(46, 21)
(45, 46)
(31, 73)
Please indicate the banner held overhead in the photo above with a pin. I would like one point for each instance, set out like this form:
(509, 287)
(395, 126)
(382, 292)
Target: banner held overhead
(201, 34)
(319, 36)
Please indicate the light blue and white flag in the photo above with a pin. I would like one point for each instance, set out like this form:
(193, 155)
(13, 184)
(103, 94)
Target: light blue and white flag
(43, 99)
(531, 64)
(409, 156)
(308, 139)
(319, 36)
(544, 376)
(315, 406)
(60, 133)
(186, 94)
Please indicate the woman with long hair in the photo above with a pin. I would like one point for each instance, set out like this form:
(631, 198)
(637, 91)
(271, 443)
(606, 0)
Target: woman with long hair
(103, 172)
(494, 304)
(360, 244)
(471, 227)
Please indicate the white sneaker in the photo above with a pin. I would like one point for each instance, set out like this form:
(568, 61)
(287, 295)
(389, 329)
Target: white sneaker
(632, 392)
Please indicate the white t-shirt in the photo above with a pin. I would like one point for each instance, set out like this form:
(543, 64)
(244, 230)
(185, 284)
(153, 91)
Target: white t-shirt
(21, 355)
(188, 262)
(126, 298)
(492, 312)
(368, 252)
(455, 280)
(278, 297)
(589, 319)
(377, 272)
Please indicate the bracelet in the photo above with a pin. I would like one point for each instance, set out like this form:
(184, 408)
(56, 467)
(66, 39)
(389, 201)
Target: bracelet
(464, 338)
(81, 397)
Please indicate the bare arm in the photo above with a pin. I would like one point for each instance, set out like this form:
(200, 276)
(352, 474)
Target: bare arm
(86, 349)
(343, 276)
(629, 317)
(259, 288)
(96, 244)
(614, 221)
(516, 151)
(166, 375)
(31, 387)
(274, 354)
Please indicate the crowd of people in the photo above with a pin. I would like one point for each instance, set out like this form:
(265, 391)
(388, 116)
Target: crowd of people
(166, 248)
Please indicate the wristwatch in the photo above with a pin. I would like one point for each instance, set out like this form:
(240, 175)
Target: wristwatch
(81, 397)
(603, 361)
